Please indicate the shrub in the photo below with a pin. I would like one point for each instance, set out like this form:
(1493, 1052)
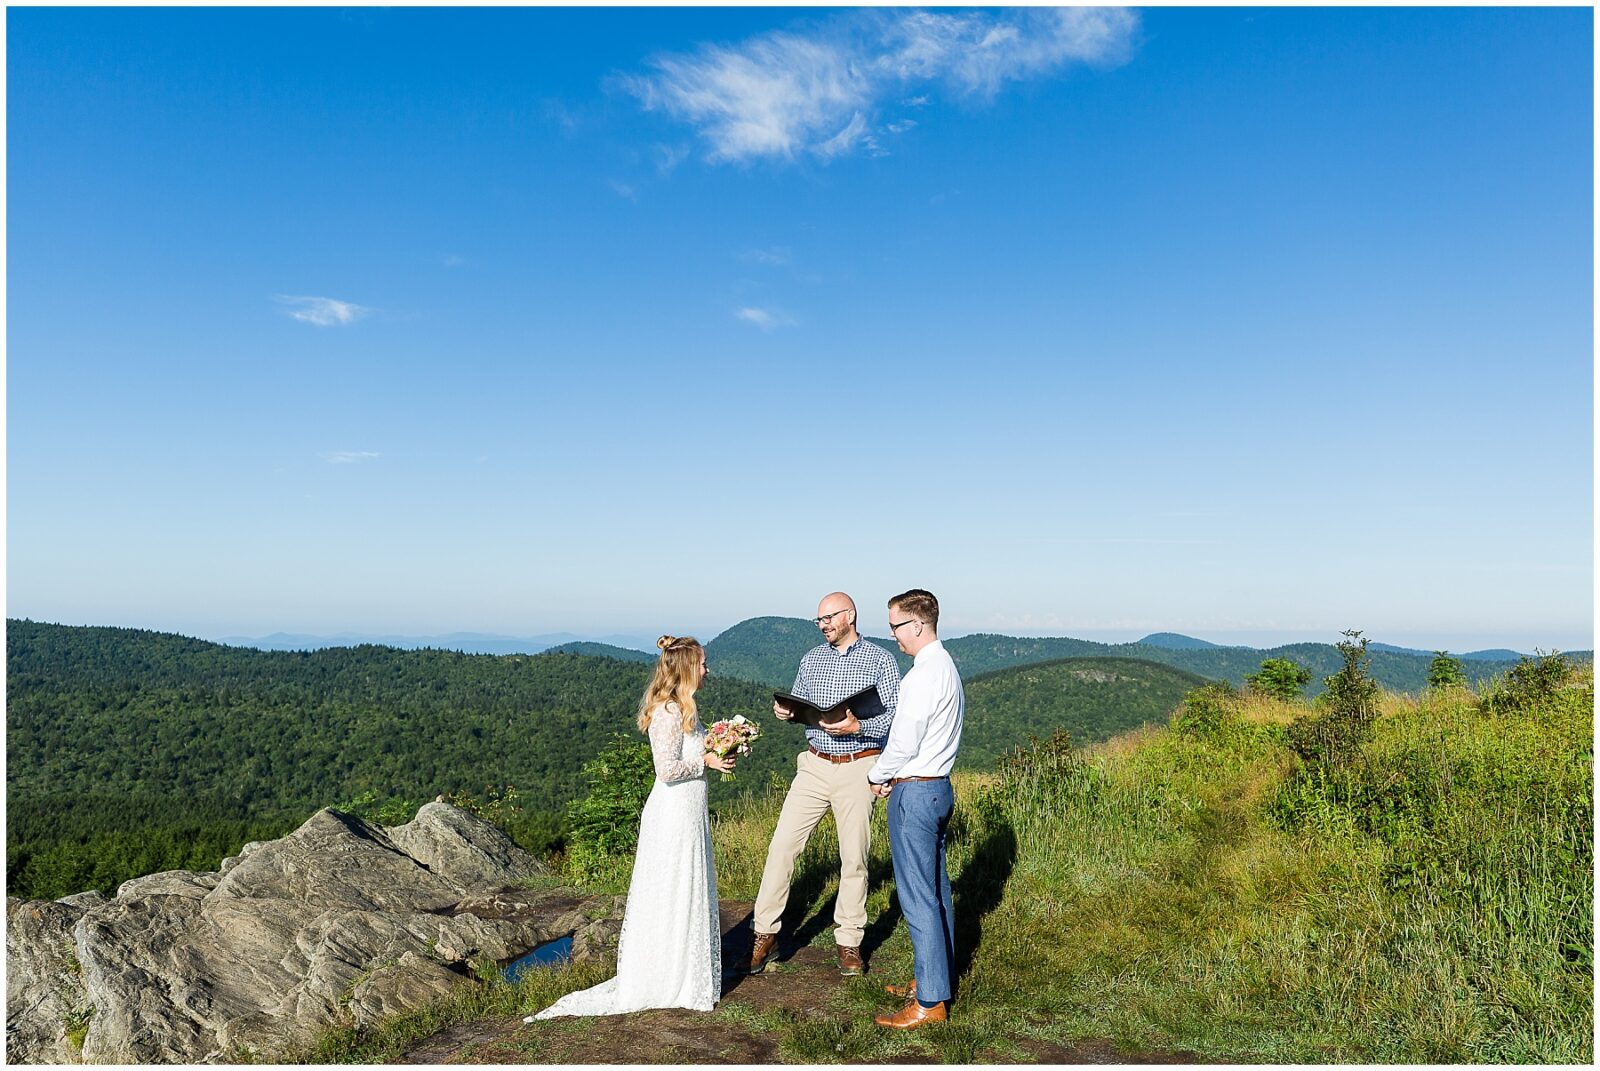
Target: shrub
(500, 807)
(1205, 709)
(603, 826)
(389, 811)
(1279, 678)
(1531, 682)
(1334, 736)
(1446, 672)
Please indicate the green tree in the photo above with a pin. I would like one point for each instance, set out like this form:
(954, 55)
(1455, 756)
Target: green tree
(1446, 672)
(603, 826)
(1347, 708)
(1279, 678)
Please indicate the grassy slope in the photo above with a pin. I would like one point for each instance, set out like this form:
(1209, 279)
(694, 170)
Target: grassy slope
(1172, 892)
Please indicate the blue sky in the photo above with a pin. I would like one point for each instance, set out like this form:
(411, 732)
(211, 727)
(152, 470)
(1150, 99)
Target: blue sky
(1252, 324)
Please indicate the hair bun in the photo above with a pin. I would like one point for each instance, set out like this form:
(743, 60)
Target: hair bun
(666, 641)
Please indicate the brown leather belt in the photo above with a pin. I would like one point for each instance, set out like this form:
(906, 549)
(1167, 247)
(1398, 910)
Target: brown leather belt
(852, 757)
(898, 780)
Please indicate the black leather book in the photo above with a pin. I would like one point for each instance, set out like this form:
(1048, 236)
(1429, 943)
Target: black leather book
(808, 713)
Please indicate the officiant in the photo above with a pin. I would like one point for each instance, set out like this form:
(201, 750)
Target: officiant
(831, 774)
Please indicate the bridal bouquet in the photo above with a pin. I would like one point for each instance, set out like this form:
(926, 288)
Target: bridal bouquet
(732, 736)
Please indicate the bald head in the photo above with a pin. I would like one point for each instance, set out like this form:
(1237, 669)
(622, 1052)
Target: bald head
(837, 600)
(836, 617)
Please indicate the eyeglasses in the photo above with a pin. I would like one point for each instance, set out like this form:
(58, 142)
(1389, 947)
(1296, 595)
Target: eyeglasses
(893, 626)
(825, 618)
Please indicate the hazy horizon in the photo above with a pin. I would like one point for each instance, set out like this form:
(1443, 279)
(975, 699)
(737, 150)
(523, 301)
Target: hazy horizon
(1256, 638)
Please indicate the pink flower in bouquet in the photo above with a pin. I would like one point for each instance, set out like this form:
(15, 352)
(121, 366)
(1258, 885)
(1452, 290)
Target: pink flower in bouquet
(732, 736)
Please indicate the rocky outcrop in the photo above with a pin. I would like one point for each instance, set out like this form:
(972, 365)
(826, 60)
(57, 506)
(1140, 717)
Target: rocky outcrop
(339, 922)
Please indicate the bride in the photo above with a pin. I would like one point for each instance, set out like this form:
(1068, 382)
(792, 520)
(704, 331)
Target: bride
(669, 954)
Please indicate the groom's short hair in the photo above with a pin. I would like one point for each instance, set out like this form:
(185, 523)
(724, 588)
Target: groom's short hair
(919, 604)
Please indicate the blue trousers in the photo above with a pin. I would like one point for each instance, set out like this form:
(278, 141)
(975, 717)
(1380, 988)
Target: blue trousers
(919, 824)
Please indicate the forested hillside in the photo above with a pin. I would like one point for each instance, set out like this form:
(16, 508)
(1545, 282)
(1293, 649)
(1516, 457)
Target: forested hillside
(133, 751)
(1093, 699)
(604, 650)
(156, 743)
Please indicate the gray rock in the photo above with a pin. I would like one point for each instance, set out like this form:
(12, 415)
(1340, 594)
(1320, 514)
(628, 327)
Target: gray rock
(92, 898)
(337, 860)
(449, 840)
(45, 997)
(340, 922)
(167, 883)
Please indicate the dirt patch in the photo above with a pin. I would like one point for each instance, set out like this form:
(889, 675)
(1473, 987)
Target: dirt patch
(801, 984)
(1096, 1052)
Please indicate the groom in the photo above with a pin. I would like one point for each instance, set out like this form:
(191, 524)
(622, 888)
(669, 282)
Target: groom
(831, 774)
(913, 774)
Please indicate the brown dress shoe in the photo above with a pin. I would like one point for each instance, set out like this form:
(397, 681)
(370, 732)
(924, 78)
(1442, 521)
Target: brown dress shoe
(850, 962)
(907, 991)
(760, 952)
(912, 1016)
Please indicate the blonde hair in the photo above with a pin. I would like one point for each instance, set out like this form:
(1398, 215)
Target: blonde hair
(677, 676)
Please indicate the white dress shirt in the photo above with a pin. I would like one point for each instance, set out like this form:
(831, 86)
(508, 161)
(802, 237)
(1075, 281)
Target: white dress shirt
(926, 731)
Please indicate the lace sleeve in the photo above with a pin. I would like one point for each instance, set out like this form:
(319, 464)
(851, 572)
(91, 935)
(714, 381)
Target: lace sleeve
(666, 746)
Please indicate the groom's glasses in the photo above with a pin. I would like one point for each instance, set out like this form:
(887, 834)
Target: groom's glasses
(893, 626)
(825, 618)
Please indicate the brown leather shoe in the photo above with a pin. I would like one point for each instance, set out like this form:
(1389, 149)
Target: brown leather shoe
(850, 961)
(760, 952)
(912, 1016)
(907, 991)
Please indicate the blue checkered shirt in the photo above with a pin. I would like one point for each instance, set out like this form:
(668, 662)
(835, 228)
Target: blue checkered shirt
(827, 678)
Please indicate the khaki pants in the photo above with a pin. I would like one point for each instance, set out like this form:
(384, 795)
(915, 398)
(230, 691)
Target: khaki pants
(819, 785)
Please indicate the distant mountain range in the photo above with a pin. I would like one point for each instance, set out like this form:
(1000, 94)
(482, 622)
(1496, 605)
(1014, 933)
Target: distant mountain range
(604, 650)
(465, 642)
(732, 645)
(767, 649)
(1176, 641)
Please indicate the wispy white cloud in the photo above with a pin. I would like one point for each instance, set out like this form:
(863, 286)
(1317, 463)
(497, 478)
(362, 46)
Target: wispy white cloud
(668, 157)
(817, 91)
(844, 140)
(322, 311)
(900, 127)
(350, 457)
(766, 319)
(622, 189)
(557, 112)
(776, 256)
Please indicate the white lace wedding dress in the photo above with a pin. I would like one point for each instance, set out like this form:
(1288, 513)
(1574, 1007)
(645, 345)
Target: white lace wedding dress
(669, 954)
